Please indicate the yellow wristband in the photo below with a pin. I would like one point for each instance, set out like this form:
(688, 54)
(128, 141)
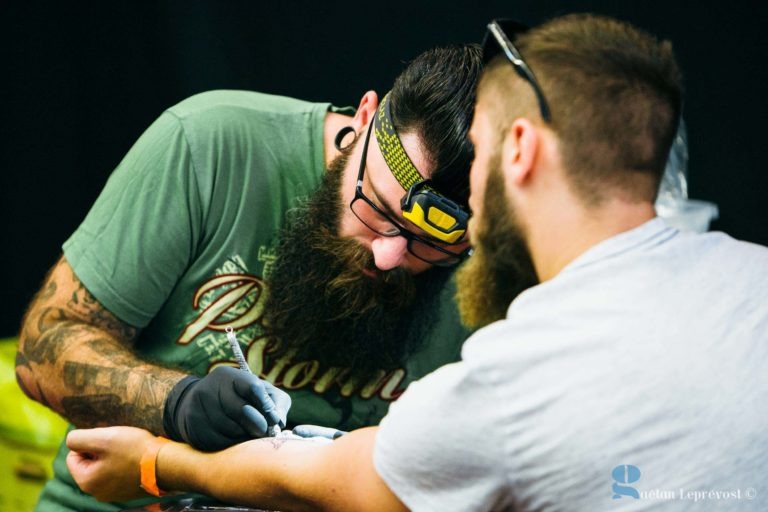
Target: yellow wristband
(148, 466)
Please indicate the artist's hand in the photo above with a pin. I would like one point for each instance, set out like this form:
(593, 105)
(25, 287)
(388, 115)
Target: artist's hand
(224, 408)
(105, 461)
(317, 431)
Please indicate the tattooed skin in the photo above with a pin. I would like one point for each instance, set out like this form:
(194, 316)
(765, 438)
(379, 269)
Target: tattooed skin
(76, 357)
(82, 302)
(48, 292)
(276, 442)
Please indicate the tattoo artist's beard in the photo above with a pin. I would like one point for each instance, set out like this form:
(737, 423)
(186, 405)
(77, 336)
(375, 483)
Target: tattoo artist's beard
(500, 266)
(323, 305)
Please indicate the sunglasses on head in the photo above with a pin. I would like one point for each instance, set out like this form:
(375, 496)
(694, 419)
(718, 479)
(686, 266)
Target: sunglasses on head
(498, 39)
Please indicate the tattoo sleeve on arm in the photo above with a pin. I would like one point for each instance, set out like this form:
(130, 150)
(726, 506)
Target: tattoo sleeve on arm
(76, 357)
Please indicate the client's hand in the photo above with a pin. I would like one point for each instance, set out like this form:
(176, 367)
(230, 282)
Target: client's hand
(105, 461)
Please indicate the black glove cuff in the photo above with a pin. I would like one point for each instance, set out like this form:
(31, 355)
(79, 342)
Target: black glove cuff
(172, 401)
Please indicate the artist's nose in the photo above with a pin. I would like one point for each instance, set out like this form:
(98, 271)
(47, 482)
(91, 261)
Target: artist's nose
(389, 251)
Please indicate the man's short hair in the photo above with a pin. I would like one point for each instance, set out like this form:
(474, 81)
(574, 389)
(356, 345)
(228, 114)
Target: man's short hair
(434, 97)
(615, 93)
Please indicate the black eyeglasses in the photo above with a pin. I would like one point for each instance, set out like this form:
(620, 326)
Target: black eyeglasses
(497, 33)
(381, 223)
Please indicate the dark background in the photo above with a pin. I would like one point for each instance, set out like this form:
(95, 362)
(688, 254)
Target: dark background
(81, 81)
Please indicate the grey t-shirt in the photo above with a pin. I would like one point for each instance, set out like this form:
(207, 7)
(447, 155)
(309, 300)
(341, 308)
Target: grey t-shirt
(634, 380)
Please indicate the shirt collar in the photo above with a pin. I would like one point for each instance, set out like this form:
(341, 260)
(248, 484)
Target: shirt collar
(643, 234)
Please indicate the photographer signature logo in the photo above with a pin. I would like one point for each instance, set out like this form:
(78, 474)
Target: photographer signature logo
(625, 476)
(622, 476)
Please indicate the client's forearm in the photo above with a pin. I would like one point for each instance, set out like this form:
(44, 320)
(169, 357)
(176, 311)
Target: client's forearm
(282, 474)
(253, 473)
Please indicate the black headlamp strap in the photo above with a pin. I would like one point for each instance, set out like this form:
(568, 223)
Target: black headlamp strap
(392, 149)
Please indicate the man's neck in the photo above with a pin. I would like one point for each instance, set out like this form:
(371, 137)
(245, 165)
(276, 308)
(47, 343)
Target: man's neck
(569, 231)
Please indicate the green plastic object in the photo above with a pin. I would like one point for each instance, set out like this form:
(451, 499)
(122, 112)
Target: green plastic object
(24, 422)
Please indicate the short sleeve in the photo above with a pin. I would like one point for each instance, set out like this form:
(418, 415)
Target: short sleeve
(437, 449)
(141, 232)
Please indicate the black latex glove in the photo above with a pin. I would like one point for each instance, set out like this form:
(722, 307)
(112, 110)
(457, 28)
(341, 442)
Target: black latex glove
(225, 407)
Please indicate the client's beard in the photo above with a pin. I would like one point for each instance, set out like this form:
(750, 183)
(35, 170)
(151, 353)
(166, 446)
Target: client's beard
(500, 266)
(320, 302)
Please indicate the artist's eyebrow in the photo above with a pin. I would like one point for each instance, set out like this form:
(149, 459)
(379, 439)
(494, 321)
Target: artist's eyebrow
(384, 206)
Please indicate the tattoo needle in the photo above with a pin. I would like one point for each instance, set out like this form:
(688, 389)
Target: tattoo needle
(272, 430)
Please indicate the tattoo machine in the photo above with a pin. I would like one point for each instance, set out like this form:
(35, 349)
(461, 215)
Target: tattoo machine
(272, 430)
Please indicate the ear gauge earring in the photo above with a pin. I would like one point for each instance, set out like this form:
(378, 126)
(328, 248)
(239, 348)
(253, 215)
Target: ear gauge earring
(340, 137)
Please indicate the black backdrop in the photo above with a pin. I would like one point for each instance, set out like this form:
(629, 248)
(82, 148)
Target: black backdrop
(80, 82)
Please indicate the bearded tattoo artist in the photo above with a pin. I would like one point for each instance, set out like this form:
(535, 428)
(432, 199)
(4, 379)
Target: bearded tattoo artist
(311, 230)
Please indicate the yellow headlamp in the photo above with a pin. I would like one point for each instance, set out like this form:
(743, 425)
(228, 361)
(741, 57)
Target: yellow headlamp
(440, 217)
(437, 215)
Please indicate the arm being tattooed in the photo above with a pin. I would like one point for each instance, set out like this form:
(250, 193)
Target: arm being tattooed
(276, 474)
(76, 358)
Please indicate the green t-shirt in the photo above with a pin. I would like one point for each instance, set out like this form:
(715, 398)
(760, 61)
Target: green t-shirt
(182, 236)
